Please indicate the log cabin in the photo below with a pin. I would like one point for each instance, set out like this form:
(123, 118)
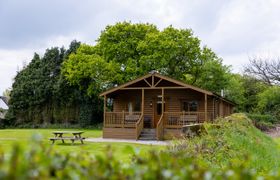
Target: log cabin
(156, 107)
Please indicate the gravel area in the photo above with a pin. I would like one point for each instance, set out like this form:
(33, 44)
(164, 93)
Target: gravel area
(161, 143)
(274, 132)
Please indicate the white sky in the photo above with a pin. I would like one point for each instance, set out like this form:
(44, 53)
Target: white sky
(234, 29)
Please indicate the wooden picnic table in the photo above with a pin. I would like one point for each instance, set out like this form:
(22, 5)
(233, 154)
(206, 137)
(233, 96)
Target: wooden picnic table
(76, 135)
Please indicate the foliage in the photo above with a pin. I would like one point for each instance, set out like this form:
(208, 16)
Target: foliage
(125, 51)
(235, 91)
(262, 117)
(228, 141)
(252, 88)
(41, 94)
(269, 101)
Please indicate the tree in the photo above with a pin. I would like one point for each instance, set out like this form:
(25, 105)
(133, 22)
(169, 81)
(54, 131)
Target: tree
(125, 51)
(267, 70)
(7, 94)
(41, 94)
(269, 101)
(252, 87)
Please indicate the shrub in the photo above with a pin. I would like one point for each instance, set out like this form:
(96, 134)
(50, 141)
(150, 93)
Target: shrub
(263, 122)
(232, 139)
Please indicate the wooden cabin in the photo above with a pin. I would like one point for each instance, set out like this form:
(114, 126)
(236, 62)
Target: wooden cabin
(156, 107)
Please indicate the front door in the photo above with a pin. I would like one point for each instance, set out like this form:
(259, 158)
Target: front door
(158, 109)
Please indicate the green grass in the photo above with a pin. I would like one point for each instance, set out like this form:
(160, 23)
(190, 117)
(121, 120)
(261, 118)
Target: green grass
(10, 137)
(234, 141)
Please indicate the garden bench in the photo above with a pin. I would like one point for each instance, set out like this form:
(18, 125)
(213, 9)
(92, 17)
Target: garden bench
(131, 119)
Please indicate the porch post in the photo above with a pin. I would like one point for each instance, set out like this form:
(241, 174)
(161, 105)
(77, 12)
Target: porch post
(222, 108)
(213, 113)
(162, 100)
(143, 98)
(205, 107)
(104, 110)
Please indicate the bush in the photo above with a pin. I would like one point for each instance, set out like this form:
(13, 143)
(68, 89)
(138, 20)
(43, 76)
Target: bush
(263, 122)
(262, 117)
(232, 139)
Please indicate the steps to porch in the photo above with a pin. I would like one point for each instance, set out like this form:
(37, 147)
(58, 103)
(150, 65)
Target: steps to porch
(148, 134)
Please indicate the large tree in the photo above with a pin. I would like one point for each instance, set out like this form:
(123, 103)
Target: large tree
(41, 94)
(125, 51)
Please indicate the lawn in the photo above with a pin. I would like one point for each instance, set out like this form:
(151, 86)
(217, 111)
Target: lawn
(10, 137)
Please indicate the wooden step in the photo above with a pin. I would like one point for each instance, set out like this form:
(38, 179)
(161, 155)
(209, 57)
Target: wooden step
(148, 134)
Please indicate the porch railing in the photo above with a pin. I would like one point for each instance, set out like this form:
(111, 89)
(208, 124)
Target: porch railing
(160, 128)
(178, 119)
(139, 126)
(121, 119)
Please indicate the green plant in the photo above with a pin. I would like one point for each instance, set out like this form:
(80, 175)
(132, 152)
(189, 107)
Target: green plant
(233, 139)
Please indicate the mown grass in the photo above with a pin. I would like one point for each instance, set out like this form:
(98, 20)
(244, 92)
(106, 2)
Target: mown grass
(23, 137)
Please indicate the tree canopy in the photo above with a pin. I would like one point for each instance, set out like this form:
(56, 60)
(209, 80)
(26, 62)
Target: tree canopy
(125, 51)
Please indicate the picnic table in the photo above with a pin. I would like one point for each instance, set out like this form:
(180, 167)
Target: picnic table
(72, 136)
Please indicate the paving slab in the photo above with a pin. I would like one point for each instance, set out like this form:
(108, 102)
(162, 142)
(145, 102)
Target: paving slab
(148, 142)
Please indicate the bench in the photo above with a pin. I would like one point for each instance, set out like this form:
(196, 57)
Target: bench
(72, 139)
(131, 119)
(187, 119)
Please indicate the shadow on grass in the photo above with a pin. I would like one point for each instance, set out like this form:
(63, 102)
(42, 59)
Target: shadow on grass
(69, 144)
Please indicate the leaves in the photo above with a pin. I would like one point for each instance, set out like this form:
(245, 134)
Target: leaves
(125, 51)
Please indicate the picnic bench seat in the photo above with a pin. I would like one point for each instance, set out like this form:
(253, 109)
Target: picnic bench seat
(187, 119)
(72, 139)
(58, 135)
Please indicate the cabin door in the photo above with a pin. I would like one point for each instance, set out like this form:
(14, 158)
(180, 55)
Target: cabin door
(158, 109)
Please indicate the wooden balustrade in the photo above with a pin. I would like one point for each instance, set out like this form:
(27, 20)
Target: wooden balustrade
(178, 119)
(160, 128)
(121, 119)
(139, 126)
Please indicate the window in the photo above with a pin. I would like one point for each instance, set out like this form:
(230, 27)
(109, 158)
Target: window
(110, 104)
(130, 107)
(137, 106)
(159, 105)
(159, 108)
(189, 106)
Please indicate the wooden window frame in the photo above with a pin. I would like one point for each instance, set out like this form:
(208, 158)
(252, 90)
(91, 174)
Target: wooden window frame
(188, 101)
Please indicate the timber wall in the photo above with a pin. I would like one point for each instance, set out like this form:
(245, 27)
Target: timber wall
(119, 133)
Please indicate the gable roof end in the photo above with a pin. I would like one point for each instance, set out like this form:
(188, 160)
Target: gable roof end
(180, 83)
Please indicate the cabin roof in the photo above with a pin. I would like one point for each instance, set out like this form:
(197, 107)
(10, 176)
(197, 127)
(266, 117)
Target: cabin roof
(155, 74)
(3, 103)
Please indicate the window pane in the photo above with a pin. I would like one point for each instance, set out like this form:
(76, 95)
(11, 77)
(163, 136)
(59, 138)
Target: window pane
(185, 106)
(137, 106)
(193, 105)
(159, 109)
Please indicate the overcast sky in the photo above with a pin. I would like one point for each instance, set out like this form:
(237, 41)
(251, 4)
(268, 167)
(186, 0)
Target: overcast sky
(234, 29)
